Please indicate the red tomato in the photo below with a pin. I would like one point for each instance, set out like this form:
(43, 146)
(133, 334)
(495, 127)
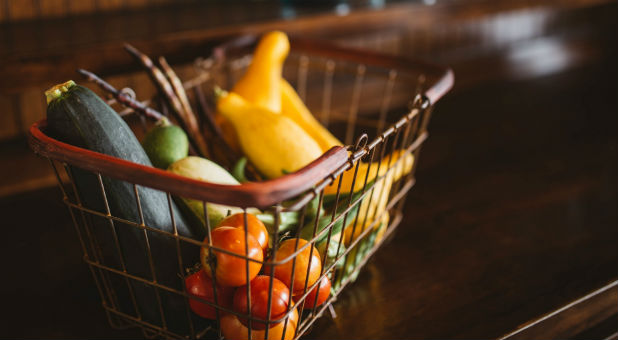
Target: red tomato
(254, 225)
(259, 301)
(323, 291)
(230, 270)
(200, 285)
(232, 329)
(303, 265)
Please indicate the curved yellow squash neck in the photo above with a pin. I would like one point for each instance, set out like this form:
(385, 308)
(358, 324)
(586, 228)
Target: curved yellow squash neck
(260, 83)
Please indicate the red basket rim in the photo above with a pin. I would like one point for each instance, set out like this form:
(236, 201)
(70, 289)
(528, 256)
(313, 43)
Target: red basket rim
(251, 194)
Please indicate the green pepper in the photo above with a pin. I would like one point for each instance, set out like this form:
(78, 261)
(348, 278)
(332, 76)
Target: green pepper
(312, 209)
(238, 171)
(323, 221)
(307, 231)
(354, 258)
(330, 251)
(287, 221)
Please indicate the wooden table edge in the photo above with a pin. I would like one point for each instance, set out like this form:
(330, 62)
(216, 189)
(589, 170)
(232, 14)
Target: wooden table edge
(572, 318)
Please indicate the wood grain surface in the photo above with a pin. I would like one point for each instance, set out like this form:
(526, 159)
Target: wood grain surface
(513, 216)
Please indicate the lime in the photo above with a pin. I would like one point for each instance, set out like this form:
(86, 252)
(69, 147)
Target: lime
(165, 143)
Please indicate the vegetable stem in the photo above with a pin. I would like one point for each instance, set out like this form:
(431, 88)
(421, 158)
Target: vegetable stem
(186, 119)
(121, 97)
(57, 90)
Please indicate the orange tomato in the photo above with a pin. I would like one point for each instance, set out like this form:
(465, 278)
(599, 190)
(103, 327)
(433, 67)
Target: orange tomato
(200, 285)
(308, 260)
(254, 225)
(323, 294)
(230, 270)
(259, 301)
(233, 329)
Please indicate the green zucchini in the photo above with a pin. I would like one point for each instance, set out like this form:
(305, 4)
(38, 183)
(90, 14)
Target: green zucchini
(78, 116)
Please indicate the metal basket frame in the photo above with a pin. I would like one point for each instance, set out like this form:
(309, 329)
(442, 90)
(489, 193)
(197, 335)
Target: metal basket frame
(407, 133)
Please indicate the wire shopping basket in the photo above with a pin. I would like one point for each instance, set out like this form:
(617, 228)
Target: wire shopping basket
(344, 204)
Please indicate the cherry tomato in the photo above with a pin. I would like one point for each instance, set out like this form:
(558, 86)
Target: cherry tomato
(230, 270)
(254, 225)
(259, 301)
(233, 329)
(200, 285)
(323, 294)
(303, 265)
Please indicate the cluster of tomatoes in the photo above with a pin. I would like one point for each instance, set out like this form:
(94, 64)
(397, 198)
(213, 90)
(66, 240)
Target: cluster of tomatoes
(231, 272)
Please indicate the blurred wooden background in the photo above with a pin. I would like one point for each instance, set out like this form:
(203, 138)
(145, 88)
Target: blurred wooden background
(42, 42)
(18, 10)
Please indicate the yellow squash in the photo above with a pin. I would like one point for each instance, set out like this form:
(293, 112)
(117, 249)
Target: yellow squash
(373, 206)
(229, 133)
(403, 168)
(206, 170)
(383, 226)
(380, 227)
(274, 143)
(294, 108)
(261, 84)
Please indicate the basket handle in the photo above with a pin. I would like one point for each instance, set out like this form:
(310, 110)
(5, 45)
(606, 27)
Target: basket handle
(252, 194)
